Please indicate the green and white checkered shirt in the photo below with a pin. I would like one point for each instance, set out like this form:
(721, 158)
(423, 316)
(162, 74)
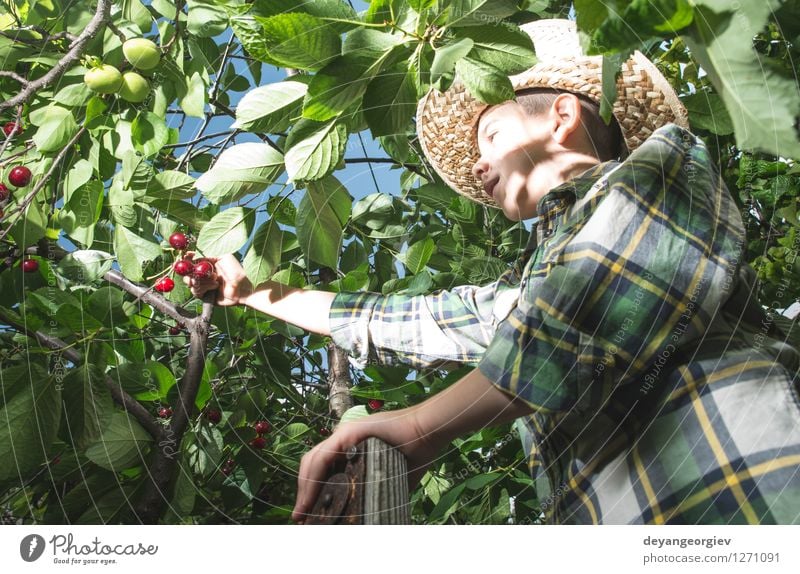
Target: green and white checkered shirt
(661, 392)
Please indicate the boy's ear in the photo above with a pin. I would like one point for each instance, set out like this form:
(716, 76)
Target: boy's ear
(566, 114)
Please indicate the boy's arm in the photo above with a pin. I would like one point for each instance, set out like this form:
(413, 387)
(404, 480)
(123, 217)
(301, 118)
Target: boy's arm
(437, 330)
(419, 432)
(308, 309)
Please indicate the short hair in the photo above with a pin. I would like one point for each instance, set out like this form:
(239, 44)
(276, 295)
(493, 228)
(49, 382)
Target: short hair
(606, 139)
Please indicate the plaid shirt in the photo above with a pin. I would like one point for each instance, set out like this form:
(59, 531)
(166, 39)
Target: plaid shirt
(661, 392)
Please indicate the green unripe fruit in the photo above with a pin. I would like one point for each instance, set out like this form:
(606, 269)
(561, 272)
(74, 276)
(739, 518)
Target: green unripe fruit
(134, 88)
(104, 79)
(141, 53)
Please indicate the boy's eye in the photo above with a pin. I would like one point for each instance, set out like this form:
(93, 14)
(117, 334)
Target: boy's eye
(490, 135)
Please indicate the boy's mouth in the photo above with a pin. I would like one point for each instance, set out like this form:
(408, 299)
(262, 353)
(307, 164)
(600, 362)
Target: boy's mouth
(489, 187)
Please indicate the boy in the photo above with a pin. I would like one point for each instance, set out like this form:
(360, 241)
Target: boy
(629, 343)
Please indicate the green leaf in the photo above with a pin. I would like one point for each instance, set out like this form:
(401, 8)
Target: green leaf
(227, 232)
(707, 112)
(171, 184)
(390, 102)
(240, 170)
(504, 46)
(448, 504)
(640, 20)
(77, 319)
(206, 19)
(314, 149)
(264, 254)
(136, 173)
(269, 109)
(75, 95)
(133, 251)
(87, 405)
(612, 66)
(29, 226)
(122, 445)
(55, 130)
(298, 40)
(354, 413)
(80, 173)
(85, 265)
(418, 255)
(28, 423)
(149, 133)
(375, 210)
(295, 430)
(420, 5)
(182, 212)
(146, 381)
(590, 14)
(105, 304)
(480, 12)
(193, 102)
(342, 83)
(83, 210)
(445, 59)
(719, 41)
(321, 217)
(485, 82)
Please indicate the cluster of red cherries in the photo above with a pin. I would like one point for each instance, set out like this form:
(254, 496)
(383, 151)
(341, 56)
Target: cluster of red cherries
(261, 428)
(200, 269)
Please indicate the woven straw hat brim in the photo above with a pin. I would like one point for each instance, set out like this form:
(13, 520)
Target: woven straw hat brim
(645, 102)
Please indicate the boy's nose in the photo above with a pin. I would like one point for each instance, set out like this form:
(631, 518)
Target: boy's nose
(480, 168)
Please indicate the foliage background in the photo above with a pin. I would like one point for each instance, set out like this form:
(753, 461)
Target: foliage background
(86, 359)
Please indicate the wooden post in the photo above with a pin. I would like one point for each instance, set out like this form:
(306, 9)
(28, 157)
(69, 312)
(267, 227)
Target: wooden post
(385, 485)
(371, 489)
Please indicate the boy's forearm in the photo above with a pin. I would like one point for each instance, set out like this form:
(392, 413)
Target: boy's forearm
(307, 309)
(470, 404)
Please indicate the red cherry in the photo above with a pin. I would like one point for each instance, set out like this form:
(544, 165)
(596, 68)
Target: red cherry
(30, 266)
(11, 129)
(183, 267)
(375, 404)
(213, 416)
(178, 240)
(202, 269)
(258, 442)
(225, 470)
(5, 193)
(19, 176)
(164, 285)
(164, 412)
(175, 330)
(262, 427)
(324, 431)
(230, 462)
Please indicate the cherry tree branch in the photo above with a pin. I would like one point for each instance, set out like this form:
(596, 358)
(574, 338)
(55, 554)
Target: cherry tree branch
(101, 16)
(150, 297)
(158, 490)
(13, 76)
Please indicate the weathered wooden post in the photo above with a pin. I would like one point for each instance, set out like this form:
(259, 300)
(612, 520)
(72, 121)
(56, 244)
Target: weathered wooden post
(372, 488)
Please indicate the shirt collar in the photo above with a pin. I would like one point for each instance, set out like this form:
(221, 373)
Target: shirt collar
(558, 199)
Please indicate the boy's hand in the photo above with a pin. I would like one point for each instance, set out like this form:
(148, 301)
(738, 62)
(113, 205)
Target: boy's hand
(229, 279)
(397, 428)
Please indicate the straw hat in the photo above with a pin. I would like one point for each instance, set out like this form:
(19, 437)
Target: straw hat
(644, 103)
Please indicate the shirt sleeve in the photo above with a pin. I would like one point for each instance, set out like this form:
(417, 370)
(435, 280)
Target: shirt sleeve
(444, 329)
(630, 280)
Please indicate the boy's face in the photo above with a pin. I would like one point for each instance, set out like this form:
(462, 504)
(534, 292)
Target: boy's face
(513, 148)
